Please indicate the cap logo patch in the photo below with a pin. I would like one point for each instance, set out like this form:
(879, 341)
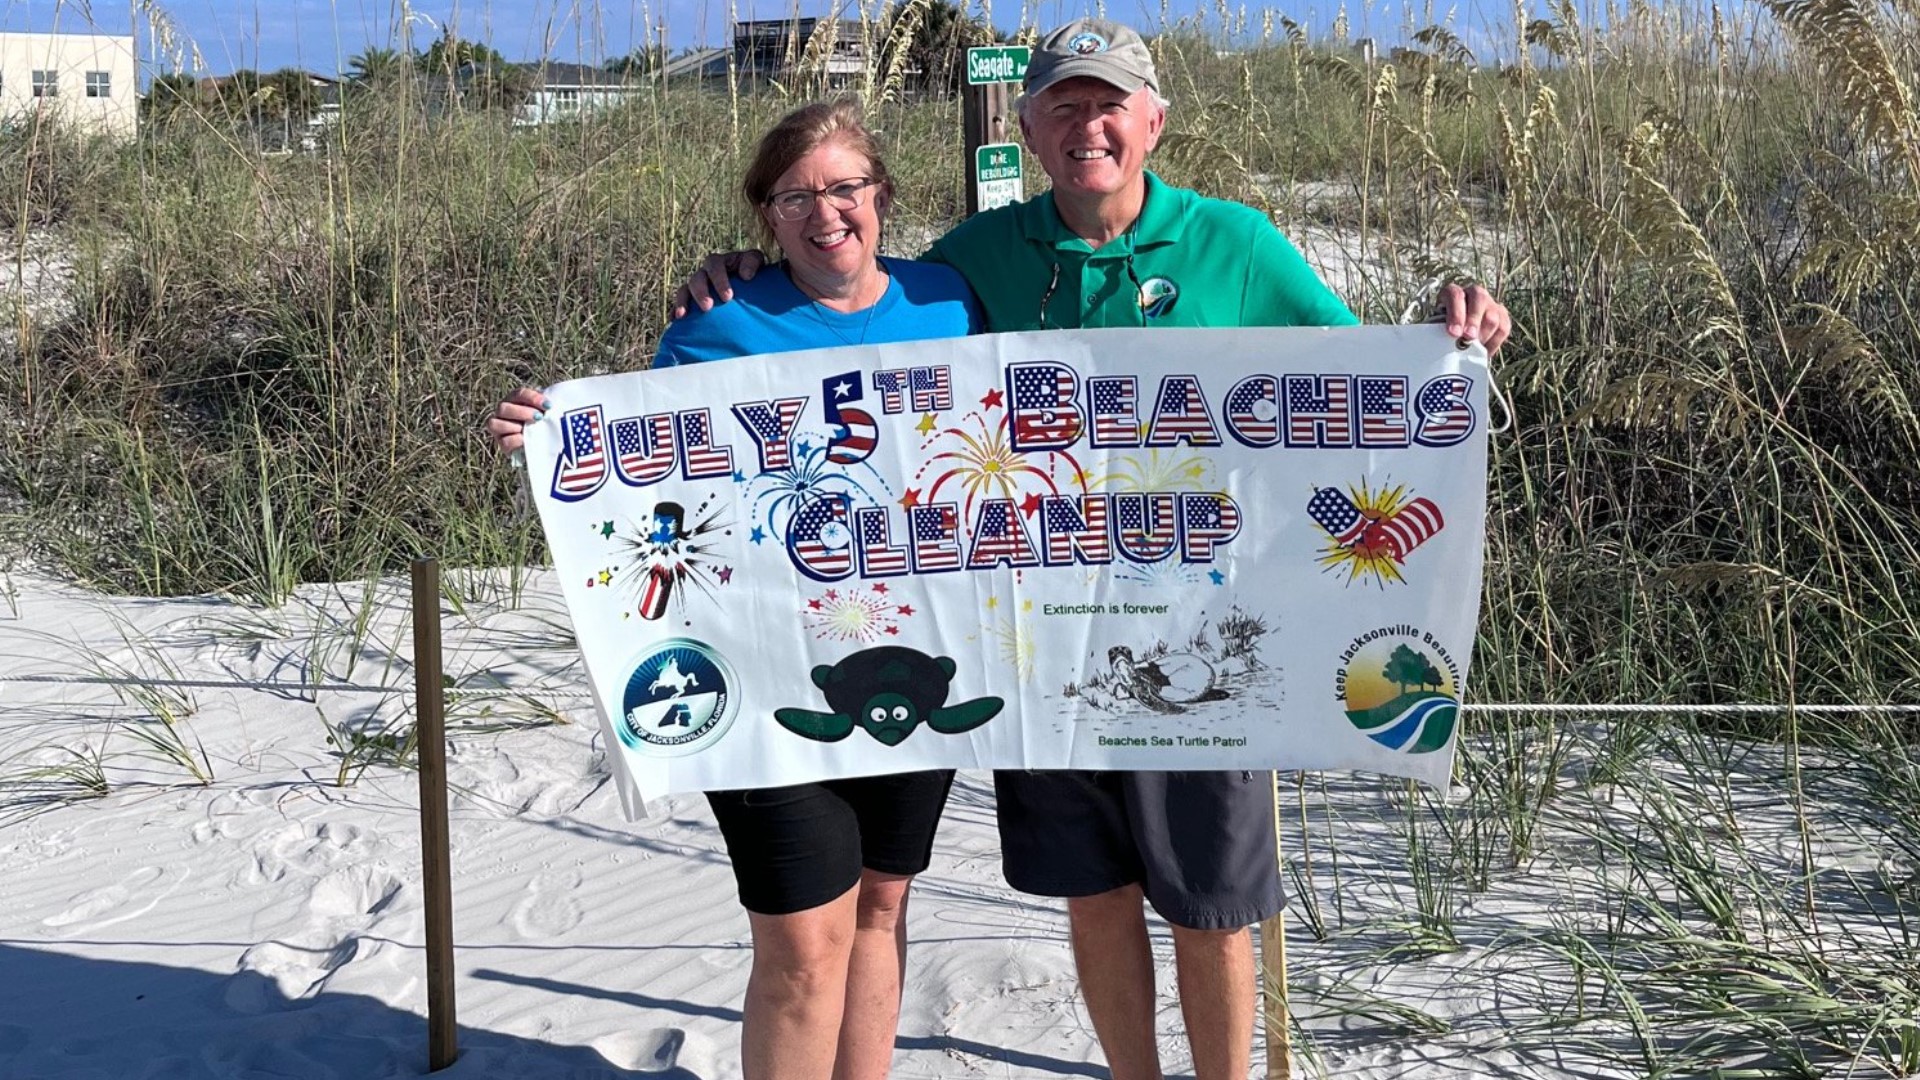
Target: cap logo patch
(1087, 43)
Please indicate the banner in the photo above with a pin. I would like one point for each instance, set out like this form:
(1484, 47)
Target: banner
(1106, 549)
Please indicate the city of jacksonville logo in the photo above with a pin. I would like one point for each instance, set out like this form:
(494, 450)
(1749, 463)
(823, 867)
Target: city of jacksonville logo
(679, 699)
(1400, 688)
(1087, 43)
(1157, 295)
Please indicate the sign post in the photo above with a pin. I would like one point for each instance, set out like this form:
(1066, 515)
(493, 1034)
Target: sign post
(988, 125)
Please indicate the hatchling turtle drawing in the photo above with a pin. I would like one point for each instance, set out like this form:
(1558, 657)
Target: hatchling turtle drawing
(1164, 683)
(889, 691)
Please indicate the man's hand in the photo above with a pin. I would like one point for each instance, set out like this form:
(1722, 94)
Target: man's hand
(709, 285)
(1473, 314)
(512, 416)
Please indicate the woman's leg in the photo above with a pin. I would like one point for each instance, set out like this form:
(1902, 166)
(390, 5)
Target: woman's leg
(797, 991)
(874, 976)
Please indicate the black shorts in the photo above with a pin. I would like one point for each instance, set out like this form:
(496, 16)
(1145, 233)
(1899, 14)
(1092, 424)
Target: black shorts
(795, 848)
(1200, 844)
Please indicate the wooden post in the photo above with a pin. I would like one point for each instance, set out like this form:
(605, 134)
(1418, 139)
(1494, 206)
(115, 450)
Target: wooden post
(986, 118)
(1273, 974)
(436, 864)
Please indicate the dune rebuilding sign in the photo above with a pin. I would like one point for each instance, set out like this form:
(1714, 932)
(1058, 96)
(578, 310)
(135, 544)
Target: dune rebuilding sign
(1166, 549)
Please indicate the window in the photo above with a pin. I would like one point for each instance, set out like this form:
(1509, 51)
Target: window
(46, 83)
(99, 84)
(567, 100)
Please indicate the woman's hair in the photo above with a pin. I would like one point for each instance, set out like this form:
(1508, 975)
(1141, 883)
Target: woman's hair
(800, 133)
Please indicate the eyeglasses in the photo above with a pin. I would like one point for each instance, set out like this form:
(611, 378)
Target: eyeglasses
(798, 203)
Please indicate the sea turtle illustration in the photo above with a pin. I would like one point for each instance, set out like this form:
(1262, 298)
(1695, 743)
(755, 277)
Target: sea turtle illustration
(888, 690)
(1166, 682)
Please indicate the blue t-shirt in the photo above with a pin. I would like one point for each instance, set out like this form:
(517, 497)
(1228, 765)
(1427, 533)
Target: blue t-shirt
(770, 314)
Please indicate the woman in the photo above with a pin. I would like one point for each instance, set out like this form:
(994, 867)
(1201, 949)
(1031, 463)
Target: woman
(823, 869)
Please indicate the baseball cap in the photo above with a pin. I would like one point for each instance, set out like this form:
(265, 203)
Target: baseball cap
(1094, 48)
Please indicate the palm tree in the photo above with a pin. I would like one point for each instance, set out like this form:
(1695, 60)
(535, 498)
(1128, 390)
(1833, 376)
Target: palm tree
(940, 42)
(377, 65)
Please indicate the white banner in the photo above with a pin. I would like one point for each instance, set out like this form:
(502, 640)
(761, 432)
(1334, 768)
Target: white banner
(1127, 549)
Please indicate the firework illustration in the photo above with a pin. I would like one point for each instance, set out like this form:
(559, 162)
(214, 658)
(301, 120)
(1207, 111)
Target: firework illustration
(1157, 470)
(976, 456)
(1013, 639)
(773, 496)
(1166, 573)
(1371, 531)
(858, 614)
(673, 555)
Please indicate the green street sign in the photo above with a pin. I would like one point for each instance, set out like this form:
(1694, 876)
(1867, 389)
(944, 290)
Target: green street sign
(996, 175)
(997, 64)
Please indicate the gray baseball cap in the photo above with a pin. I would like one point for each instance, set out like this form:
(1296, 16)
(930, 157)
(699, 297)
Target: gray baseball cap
(1096, 49)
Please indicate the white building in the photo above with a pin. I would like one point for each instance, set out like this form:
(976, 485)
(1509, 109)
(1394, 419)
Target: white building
(89, 79)
(561, 91)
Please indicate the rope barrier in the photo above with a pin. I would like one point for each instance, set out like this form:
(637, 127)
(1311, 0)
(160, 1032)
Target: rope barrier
(1557, 708)
(287, 687)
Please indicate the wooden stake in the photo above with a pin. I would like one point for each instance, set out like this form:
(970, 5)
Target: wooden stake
(436, 864)
(1273, 974)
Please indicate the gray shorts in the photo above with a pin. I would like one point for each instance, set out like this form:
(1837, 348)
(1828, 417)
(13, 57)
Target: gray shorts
(1199, 844)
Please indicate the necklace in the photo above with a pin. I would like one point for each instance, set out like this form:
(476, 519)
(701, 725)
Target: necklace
(819, 312)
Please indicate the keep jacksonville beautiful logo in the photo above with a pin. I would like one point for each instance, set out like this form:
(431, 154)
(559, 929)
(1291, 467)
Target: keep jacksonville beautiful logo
(1400, 687)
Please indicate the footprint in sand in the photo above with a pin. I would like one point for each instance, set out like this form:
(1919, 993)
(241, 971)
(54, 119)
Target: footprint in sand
(339, 906)
(549, 909)
(110, 904)
(642, 1051)
(275, 972)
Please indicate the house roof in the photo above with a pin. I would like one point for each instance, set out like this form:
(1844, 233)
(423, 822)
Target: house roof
(558, 73)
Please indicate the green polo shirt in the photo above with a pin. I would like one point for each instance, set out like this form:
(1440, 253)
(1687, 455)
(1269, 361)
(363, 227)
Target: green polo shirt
(1188, 261)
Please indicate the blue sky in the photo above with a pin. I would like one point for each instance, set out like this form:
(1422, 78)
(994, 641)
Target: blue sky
(321, 35)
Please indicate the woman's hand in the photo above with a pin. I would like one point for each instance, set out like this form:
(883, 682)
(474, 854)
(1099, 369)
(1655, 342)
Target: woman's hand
(511, 417)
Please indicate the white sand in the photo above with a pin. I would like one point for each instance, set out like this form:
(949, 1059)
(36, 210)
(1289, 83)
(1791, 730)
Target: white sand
(269, 924)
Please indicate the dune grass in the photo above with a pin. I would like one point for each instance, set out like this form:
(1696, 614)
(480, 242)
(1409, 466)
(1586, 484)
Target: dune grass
(271, 370)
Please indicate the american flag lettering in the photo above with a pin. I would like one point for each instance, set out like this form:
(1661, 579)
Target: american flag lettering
(1446, 415)
(811, 539)
(643, 448)
(1045, 416)
(1253, 410)
(582, 466)
(1383, 411)
(855, 438)
(1181, 413)
(934, 547)
(1319, 410)
(1077, 528)
(892, 386)
(1116, 418)
(1207, 521)
(838, 390)
(1333, 511)
(696, 441)
(1149, 524)
(878, 555)
(999, 535)
(932, 388)
(771, 423)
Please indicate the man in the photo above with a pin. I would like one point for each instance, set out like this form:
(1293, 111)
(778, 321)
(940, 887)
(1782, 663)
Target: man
(1112, 245)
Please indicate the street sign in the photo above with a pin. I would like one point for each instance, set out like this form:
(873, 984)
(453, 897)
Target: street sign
(997, 64)
(996, 175)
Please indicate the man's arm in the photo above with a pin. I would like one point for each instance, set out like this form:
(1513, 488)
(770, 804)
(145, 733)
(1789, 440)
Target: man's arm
(709, 284)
